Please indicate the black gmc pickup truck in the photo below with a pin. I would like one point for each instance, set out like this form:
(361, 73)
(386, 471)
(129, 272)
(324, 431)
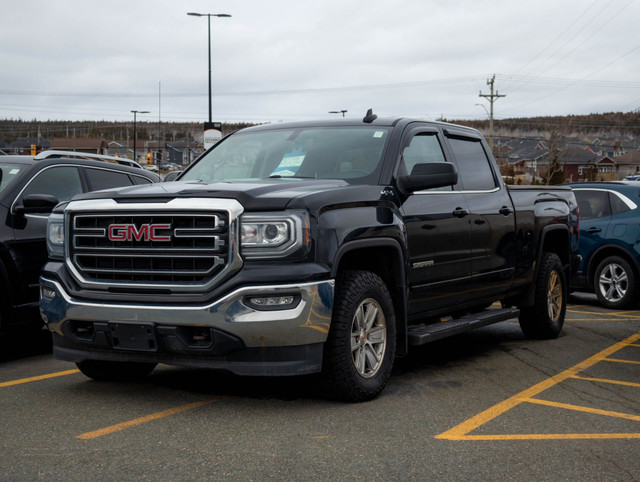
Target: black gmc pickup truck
(298, 248)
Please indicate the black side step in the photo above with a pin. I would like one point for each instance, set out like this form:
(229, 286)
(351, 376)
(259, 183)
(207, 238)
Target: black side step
(421, 334)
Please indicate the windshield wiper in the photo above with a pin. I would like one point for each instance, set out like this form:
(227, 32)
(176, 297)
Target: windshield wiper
(278, 176)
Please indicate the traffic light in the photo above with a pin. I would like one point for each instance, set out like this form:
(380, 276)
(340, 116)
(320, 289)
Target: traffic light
(148, 158)
(33, 149)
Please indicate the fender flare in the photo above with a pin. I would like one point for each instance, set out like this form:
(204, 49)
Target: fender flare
(399, 290)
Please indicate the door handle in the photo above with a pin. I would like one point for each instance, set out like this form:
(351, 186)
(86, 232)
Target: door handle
(460, 212)
(505, 210)
(593, 230)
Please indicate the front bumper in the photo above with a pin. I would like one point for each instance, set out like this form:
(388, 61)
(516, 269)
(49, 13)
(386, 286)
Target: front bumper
(227, 333)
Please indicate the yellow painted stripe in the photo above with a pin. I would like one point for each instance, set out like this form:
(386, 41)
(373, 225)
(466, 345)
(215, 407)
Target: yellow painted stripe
(606, 380)
(553, 436)
(579, 408)
(458, 432)
(634, 344)
(618, 360)
(39, 377)
(623, 315)
(138, 421)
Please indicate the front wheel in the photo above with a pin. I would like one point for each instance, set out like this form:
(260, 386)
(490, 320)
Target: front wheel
(360, 348)
(545, 318)
(615, 283)
(110, 371)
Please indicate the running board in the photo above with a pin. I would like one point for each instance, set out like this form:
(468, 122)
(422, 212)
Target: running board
(421, 334)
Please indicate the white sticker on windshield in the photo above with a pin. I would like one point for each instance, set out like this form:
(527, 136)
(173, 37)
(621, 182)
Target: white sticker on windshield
(14, 171)
(378, 133)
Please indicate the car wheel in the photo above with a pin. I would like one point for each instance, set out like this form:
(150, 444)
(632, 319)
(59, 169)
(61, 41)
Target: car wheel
(615, 283)
(545, 318)
(360, 348)
(110, 371)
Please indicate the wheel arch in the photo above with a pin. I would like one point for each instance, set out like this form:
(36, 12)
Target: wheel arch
(553, 239)
(604, 252)
(384, 257)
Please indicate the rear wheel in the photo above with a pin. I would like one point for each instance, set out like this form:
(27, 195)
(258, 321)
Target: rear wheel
(615, 283)
(545, 318)
(360, 348)
(110, 371)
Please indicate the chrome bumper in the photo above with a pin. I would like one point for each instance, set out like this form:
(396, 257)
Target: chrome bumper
(304, 324)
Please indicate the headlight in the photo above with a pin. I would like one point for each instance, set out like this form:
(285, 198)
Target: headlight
(273, 235)
(55, 236)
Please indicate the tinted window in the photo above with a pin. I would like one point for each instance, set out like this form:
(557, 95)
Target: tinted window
(618, 206)
(141, 180)
(105, 179)
(63, 182)
(422, 148)
(593, 204)
(474, 169)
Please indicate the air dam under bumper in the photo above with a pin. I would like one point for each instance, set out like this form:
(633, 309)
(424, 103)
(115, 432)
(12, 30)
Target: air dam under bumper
(227, 334)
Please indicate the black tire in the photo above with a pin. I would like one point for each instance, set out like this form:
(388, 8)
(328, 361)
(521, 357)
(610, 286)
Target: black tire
(545, 318)
(110, 371)
(360, 348)
(615, 283)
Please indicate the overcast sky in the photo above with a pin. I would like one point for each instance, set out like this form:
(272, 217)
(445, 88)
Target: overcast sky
(282, 60)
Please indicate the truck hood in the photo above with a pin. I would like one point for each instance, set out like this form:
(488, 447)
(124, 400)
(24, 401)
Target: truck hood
(255, 196)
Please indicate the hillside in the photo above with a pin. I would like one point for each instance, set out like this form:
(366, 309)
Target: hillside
(612, 124)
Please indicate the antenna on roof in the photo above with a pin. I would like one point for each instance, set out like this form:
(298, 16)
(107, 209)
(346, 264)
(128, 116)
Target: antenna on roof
(370, 117)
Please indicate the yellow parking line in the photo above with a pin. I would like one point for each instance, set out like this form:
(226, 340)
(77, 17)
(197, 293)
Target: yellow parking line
(578, 408)
(39, 377)
(553, 436)
(138, 421)
(460, 431)
(623, 315)
(605, 380)
(617, 360)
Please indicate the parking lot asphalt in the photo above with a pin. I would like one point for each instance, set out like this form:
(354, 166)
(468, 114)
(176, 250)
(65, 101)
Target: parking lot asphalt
(489, 404)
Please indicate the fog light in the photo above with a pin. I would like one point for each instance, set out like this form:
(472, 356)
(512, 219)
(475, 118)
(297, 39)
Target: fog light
(47, 294)
(281, 302)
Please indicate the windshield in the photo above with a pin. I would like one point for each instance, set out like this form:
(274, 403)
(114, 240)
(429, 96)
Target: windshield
(350, 153)
(8, 174)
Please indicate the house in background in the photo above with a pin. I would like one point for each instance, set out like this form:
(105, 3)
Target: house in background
(80, 144)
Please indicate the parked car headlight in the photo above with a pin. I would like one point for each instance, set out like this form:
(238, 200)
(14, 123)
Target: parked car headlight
(55, 236)
(273, 235)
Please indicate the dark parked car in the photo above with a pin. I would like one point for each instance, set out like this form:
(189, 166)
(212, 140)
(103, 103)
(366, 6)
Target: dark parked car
(29, 189)
(609, 235)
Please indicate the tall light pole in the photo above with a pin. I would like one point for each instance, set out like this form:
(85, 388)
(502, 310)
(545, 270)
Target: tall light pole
(209, 15)
(135, 112)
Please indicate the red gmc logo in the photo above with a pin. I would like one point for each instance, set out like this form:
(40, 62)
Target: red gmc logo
(130, 232)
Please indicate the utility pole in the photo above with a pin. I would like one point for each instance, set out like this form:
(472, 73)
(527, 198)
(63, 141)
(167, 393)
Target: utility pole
(492, 98)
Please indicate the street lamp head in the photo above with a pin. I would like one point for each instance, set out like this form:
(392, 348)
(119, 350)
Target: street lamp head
(194, 14)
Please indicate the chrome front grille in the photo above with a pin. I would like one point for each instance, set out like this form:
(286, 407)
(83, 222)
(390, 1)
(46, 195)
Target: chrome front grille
(152, 249)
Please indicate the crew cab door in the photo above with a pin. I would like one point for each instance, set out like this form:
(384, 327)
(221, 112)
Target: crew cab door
(492, 217)
(438, 233)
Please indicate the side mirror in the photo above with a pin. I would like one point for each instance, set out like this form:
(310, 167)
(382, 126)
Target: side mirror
(428, 176)
(37, 203)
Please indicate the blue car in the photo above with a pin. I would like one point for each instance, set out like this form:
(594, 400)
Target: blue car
(609, 241)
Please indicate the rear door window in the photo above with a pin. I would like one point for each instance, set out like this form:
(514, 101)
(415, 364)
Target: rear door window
(474, 170)
(593, 204)
(106, 179)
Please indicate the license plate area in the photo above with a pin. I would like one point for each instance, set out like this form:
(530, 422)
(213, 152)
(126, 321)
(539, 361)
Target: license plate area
(133, 336)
